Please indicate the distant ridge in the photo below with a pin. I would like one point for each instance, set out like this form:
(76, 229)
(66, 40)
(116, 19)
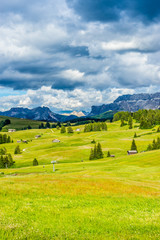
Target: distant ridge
(129, 103)
(39, 113)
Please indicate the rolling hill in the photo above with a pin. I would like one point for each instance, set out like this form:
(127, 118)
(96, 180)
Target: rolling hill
(109, 198)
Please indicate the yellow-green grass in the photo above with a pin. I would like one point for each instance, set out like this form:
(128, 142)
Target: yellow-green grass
(110, 198)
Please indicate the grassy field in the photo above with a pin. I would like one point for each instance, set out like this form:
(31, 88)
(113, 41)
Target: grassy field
(110, 198)
(17, 123)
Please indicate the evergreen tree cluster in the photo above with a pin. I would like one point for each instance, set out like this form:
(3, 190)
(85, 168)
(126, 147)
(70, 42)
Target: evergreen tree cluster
(6, 159)
(96, 152)
(155, 145)
(4, 123)
(122, 123)
(121, 116)
(146, 118)
(4, 138)
(93, 127)
(46, 125)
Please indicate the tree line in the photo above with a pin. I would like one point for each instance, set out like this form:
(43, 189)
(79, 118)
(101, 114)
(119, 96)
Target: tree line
(69, 129)
(99, 126)
(4, 123)
(146, 118)
(155, 145)
(4, 138)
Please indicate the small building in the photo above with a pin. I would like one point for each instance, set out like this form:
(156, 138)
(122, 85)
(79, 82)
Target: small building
(11, 130)
(55, 141)
(25, 141)
(132, 152)
(18, 141)
(112, 156)
(37, 136)
(78, 130)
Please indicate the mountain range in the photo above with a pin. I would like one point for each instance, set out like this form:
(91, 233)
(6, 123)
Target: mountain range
(39, 113)
(128, 102)
(131, 103)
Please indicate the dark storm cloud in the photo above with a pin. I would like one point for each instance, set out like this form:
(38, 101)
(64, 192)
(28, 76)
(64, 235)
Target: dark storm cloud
(91, 44)
(66, 84)
(74, 51)
(111, 10)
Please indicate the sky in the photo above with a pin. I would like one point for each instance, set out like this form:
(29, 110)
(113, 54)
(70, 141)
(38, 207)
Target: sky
(72, 54)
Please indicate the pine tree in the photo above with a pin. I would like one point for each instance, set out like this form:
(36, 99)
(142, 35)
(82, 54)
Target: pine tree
(95, 151)
(91, 155)
(135, 135)
(17, 150)
(8, 139)
(133, 146)
(10, 160)
(6, 161)
(35, 162)
(149, 148)
(69, 129)
(130, 122)
(105, 127)
(47, 125)
(99, 151)
(154, 145)
(63, 129)
(108, 154)
(122, 123)
(1, 162)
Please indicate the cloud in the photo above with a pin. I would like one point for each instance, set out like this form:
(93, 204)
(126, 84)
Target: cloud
(60, 100)
(112, 10)
(73, 47)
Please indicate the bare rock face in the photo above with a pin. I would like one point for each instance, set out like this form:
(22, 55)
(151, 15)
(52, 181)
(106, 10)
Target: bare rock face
(129, 103)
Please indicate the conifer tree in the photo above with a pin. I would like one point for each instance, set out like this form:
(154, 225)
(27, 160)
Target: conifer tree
(149, 148)
(35, 162)
(130, 122)
(135, 135)
(122, 123)
(99, 151)
(10, 160)
(95, 151)
(1, 162)
(108, 154)
(69, 129)
(17, 150)
(133, 146)
(91, 155)
(63, 129)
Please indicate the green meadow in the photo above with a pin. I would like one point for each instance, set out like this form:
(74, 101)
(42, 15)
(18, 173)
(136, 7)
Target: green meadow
(110, 198)
(17, 123)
